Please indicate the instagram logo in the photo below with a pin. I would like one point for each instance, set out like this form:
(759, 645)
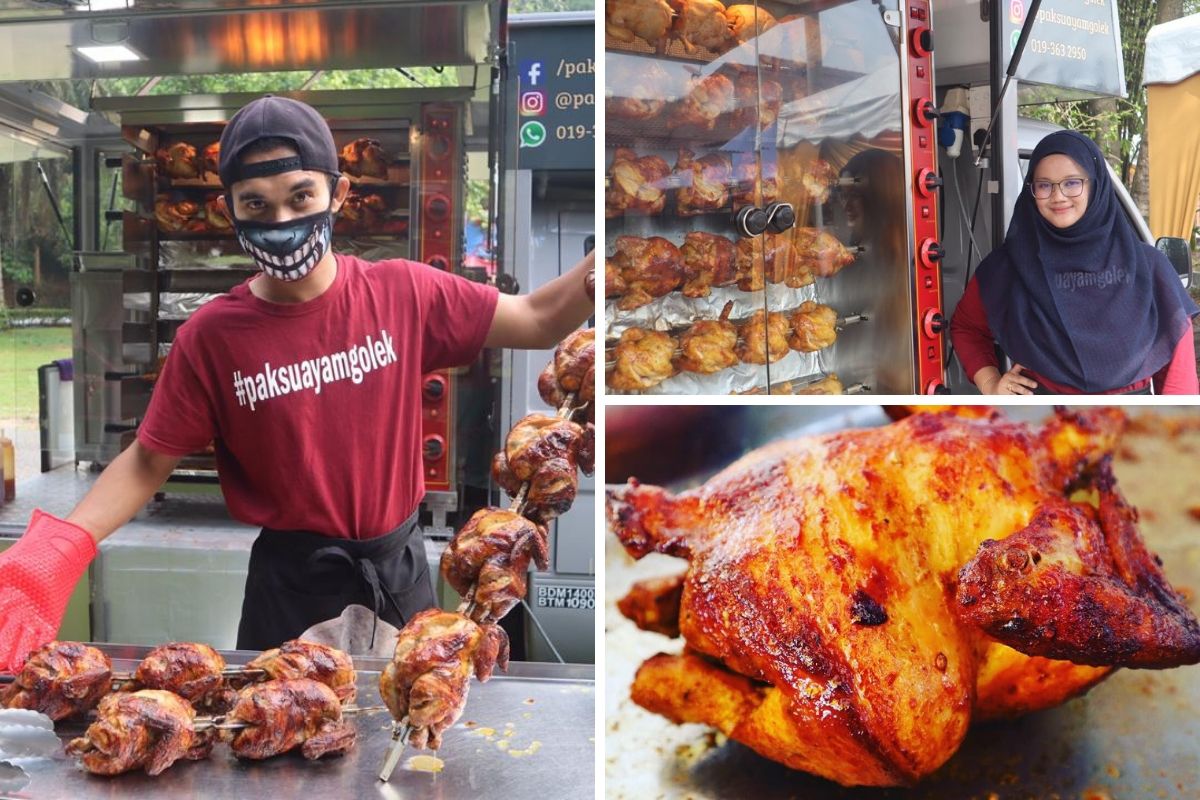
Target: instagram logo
(533, 104)
(1016, 11)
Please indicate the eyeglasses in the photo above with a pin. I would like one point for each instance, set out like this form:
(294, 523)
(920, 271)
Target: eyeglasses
(1071, 187)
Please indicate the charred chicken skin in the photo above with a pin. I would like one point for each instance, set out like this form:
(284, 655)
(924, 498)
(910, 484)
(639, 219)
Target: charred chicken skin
(488, 559)
(282, 715)
(545, 452)
(709, 345)
(426, 681)
(854, 601)
(635, 184)
(650, 268)
(189, 669)
(149, 729)
(814, 327)
(627, 20)
(705, 183)
(706, 100)
(298, 658)
(572, 370)
(643, 359)
(764, 338)
(701, 24)
(820, 253)
(708, 260)
(60, 679)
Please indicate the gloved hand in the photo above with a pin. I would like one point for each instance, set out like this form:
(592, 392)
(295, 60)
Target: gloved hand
(37, 576)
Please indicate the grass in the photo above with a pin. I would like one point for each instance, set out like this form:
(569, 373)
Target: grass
(22, 351)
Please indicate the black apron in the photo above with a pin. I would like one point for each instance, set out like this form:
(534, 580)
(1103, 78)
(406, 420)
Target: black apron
(297, 579)
(1039, 389)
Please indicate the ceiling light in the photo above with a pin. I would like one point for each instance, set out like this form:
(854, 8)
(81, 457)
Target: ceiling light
(102, 54)
(109, 5)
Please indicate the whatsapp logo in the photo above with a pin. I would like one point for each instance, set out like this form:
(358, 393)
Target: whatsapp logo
(533, 134)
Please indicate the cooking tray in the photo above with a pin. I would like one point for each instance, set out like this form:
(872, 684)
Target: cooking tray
(489, 753)
(1136, 736)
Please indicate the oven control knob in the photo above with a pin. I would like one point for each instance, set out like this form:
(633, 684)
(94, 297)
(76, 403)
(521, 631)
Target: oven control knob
(752, 222)
(931, 252)
(433, 389)
(924, 111)
(934, 323)
(921, 41)
(928, 181)
(936, 387)
(437, 207)
(439, 262)
(433, 448)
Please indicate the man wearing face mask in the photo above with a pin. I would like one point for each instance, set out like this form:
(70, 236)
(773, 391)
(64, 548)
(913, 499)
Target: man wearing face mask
(307, 378)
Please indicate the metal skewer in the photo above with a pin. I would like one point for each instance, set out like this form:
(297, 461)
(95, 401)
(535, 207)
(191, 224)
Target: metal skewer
(219, 723)
(400, 734)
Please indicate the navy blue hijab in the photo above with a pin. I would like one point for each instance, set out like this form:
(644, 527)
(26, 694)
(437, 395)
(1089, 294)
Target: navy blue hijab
(1088, 306)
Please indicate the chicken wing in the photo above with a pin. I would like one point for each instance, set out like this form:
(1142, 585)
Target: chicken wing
(635, 184)
(820, 253)
(614, 284)
(650, 268)
(487, 561)
(643, 359)
(299, 658)
(814, 327)
(842, 590)
(707, 98)
(426, 681)
(764, 338)
(704, 183)
(628, 20)
(281, 715)
(708, 260)
(653, 604)
(709, 345)
(60, 679)
(701, 24)
(545, 452)
(149, 729)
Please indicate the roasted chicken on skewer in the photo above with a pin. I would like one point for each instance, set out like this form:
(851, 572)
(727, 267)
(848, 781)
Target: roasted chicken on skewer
(299, 658)
(701, 23)
(814, 327)
(649, 268)
(771, 259)
(545, 452)
(364, 158)
(708, 260)
(60, 679)
(818, 179)
(195, 672)
(753, 186)
(627, 20)
(179, 161)
(487, 561)
(637, 90)
(636, 184)
(820, 252)
(755, 101)
(704, 183)
(747, 21)
(280, 715)
(148, 729)
(709, 345)
(571, 371)
(643, 359)
(854, 601)
(425, 684)
(764, 338)
(706, 99)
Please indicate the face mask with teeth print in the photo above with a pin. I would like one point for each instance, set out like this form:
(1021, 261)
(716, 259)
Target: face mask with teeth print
(287, 251)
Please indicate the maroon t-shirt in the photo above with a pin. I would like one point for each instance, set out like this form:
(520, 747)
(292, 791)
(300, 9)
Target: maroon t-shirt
(315, 407)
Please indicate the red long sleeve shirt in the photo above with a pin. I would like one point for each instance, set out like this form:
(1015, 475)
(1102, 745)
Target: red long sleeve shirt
(974, 344)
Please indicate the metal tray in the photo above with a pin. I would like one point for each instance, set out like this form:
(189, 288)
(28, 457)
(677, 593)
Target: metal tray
(548, 703)
(1136, 736)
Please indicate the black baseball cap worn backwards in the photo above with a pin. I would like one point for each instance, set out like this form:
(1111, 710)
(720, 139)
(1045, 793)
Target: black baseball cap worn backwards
(272, 117)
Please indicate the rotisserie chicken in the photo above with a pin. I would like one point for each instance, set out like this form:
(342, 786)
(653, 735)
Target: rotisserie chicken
(747, 21)
(614, 284)
(814, 327)
(544, 452)
(764, 338)
(212, 158)
(189, 669)
(426, 681)
(178, 216)
(650, 268)
(751, 105)
(704, 183)
(60, 679)
(636, 90)
(701, 23)
(752, 185)
(635, 184)
(819, 252)
(643, 359)
(179, 161)
(830, 384)
(572, 370)
(282, 715)
(149, 729)
(709, 345)
(706, 99)
(215, 218)
(627, 20)
(298, 658)
(488, 558)
(708, 260)
(364, 158)
(781, 264)
(847, 594)
(818, 178)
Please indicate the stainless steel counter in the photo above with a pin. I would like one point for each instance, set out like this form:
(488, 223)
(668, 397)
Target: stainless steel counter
(490, 753)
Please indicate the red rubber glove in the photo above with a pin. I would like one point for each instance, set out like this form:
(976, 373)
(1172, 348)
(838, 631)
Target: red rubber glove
(37, 576)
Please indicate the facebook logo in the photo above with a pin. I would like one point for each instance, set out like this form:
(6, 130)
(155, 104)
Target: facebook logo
(531, 71)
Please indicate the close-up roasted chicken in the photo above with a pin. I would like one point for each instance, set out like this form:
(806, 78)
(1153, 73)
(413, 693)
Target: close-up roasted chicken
(701, 24)
(281, 715)
(814, 327)
(703, 182)
(705, 100)
(60, 679)
(191, 670)
(764, 338)
(487, 561)
(642, 360)
(636, 184)
(853, 602)
(299, 658)
(425, 684)
(572, 371)
(650, 267)
(364, 158)
(709, 345)
(148, 729)
(179, 161)
(628, 20)
(708, 261)
(820, 253)
(546, 452)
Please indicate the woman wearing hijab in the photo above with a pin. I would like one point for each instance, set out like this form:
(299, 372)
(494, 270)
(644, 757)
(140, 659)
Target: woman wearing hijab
(1079, 303)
